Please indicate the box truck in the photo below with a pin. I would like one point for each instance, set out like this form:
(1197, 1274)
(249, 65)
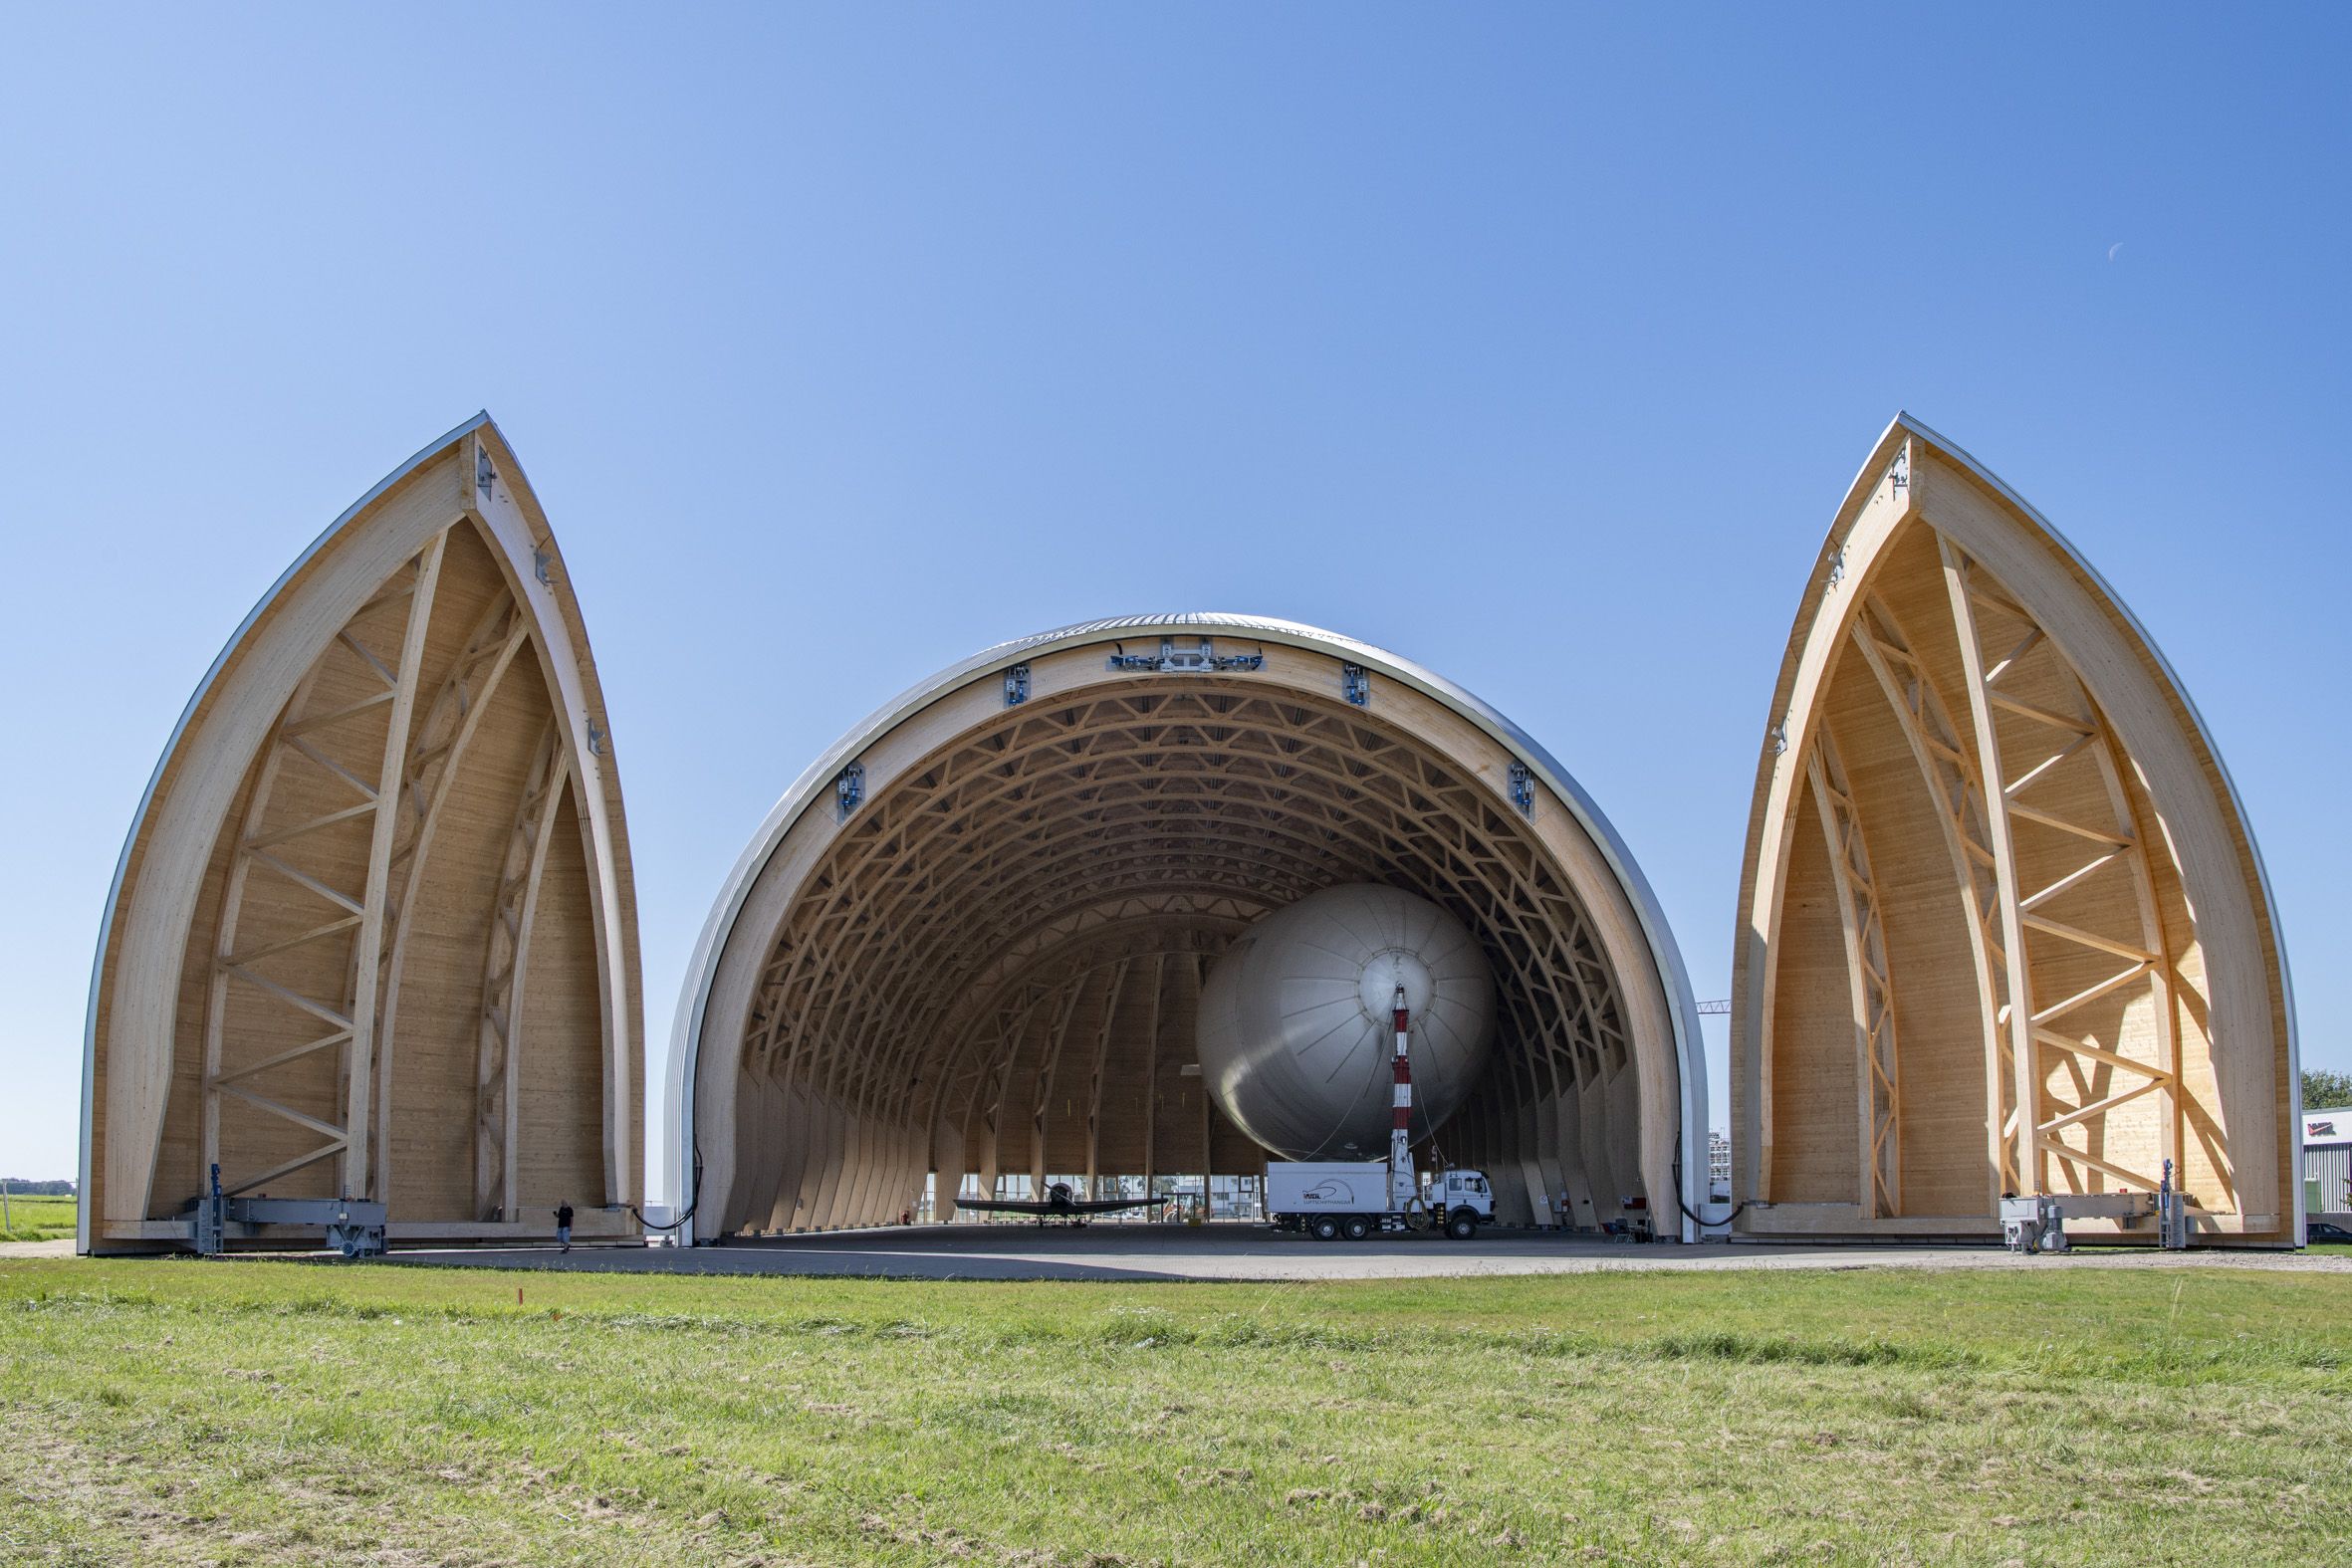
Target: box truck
(1331, 1198)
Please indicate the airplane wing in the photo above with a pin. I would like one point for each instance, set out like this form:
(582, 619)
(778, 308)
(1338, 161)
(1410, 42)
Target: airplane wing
(1046, 1208)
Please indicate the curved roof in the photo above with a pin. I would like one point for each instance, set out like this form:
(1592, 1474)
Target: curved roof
(817, 780)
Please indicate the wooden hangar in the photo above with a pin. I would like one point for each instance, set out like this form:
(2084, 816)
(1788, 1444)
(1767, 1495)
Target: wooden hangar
(2003, 926)
(369, 962)
(971, 939)
(372, 935)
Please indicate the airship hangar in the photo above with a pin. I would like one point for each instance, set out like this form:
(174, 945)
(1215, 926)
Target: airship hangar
(1070, 908)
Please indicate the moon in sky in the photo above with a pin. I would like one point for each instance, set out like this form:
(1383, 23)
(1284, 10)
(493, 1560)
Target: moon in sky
(2112, 249)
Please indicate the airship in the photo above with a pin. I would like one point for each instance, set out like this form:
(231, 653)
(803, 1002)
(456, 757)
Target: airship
(1297, 1029)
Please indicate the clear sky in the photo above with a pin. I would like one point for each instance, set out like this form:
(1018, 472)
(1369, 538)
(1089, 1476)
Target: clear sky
(1535, 343)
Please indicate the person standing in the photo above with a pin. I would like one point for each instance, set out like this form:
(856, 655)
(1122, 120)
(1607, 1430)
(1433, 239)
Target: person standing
(564, 1225)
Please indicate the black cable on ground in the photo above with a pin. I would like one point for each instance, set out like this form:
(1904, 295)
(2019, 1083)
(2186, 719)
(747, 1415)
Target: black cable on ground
(692, 1204)
(1700, 1221)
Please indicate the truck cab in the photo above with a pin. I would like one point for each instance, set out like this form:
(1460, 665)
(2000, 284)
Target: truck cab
(1459, 1201)
(1451, 1190)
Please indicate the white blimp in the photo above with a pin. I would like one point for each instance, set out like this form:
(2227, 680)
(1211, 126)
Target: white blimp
(1297, 1035)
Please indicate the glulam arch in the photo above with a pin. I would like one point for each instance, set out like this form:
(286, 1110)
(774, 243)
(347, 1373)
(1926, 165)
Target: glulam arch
(372, 931)
(2004, 927)
(970, 940)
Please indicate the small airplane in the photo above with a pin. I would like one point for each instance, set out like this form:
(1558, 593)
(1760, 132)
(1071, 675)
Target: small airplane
(1057, 1203)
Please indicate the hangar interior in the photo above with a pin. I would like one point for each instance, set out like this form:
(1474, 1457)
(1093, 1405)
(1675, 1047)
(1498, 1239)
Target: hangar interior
(973, 941)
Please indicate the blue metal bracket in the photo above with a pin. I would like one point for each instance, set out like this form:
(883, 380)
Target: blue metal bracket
(1201, 659)
(1355, 683)
(1017, 685)
(1522, 789)
(849, 789)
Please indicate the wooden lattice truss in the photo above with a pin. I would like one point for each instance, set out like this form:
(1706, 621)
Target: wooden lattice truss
(410, 824)
(1959, 854)
(994, 966)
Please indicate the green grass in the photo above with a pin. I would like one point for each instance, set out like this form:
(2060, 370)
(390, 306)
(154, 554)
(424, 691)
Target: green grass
(38, 1219)
(289, 1413)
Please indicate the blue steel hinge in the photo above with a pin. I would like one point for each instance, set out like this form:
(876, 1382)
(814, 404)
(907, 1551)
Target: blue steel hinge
(1522, 789)
(1199, 660)
(1017, 685)
(1355, 683)
(595, 735)
(849, 790)
(543, 566)
(485, 472)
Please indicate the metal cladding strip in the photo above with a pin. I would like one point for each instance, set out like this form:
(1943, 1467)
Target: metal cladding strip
(817, 779)
(146, 799)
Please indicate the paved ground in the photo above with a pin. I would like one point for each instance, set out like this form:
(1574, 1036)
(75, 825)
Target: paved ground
(1022, 1251)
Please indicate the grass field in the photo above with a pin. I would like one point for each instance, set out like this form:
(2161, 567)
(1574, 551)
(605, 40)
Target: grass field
(293, 1413)
(37, 1218)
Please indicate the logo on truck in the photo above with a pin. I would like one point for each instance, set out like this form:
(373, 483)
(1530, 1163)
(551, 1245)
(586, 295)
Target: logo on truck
(1331, 1190)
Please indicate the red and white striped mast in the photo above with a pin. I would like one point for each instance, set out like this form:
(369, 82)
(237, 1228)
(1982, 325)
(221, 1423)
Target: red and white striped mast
(1402, 1186)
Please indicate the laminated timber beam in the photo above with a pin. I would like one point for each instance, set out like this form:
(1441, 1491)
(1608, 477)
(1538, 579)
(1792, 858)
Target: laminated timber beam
(2051, 744)
(435, 764)
(505, 967)
(1876, 1069)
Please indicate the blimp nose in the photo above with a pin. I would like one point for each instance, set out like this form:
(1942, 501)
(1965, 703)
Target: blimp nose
(1385, 973)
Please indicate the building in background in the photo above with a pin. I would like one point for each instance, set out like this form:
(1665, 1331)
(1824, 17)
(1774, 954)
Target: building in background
(2327, 1162)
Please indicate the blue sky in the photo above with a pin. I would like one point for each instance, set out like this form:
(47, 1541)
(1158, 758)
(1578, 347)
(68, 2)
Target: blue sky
(1535, 343)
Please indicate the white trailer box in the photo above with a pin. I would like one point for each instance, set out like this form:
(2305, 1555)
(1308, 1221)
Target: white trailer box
(1327, 1187)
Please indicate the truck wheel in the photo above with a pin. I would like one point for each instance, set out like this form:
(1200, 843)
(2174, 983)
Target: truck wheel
(1460, 1226)
(1325, 1229)
(1356, 1227)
